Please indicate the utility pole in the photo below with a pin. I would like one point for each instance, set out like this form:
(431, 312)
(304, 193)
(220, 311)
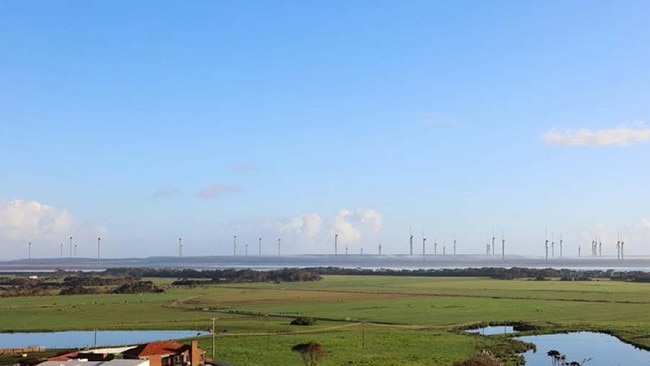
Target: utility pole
(214, 331)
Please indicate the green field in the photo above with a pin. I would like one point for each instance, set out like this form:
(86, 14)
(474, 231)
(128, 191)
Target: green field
(363, 320)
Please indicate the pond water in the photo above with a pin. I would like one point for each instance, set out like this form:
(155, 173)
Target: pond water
(82, 339)
(491, 330)
(602, 349)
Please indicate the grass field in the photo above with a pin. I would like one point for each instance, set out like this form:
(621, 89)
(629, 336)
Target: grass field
(364, 320)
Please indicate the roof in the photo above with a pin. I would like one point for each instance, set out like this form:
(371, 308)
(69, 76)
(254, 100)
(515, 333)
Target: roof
(96, 363)
(157, 348)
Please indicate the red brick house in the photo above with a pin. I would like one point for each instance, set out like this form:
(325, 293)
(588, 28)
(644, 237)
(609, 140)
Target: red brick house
(168, 353)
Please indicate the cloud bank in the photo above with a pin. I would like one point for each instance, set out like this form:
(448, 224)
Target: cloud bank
(25, 221)
(311, 233)
(619, 136)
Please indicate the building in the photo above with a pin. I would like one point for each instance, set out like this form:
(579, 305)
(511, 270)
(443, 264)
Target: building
(168, 353)
(85, 362)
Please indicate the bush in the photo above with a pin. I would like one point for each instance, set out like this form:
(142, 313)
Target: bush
(303, 320)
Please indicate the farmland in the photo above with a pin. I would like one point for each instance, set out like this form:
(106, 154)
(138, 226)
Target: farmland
(361, 320)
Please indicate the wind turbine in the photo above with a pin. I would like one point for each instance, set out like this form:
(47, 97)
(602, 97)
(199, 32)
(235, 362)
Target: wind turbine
(424, 241)
(411, 241)
(493, 238)
(600, 248)
(99, 248)
(454, 244)
(379, 248)
(622, 245)
(70, 246)
(259, 246)
(618, 245)
(180, 247)
(336, 244)
(246, 250)
(552, 247)
(546, 244)
(279, 245)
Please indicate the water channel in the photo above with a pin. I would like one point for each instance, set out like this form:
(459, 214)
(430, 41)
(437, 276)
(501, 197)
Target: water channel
(598, 348)
(587, 348)
(82, 339)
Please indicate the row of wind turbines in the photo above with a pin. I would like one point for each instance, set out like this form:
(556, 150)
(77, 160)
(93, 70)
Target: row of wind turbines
(596, 246)
(73, 248)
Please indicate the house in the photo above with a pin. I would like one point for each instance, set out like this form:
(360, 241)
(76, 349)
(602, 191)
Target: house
(85, 362)
(168, 353)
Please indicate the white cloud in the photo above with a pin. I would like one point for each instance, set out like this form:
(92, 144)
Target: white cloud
(311, 233)
(306, 226)
(645, 223)
(22, 221)
(620, 136)
(215, 189)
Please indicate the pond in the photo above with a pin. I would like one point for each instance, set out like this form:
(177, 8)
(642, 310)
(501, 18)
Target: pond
(82, 339)
(598, 348)
(492, 330)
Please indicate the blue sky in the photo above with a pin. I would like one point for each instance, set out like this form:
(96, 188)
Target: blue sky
(146, 121)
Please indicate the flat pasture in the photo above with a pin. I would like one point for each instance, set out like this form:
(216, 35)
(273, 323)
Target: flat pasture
(362, 320)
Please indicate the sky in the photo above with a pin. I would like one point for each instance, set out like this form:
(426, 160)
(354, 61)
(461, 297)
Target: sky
(149, 121)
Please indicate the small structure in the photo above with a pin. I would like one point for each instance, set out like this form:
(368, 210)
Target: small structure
(168, 353)
(85, 362)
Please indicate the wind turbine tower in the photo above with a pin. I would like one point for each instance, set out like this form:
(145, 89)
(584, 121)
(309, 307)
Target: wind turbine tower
(552, 247)
(336, 244)
(234, 245)
(454, 245)
(70, 246)
(424, 241)
(99, 248)
(29, 250)
(493, 238)
(61, 249)
(279, 245)
(180, 247)
(546, 247)
(411, 242)
(246, 250)
(379, 248)
(560, 245)
(600, 248)
(622, 245)
(259, 246)
(503, 246)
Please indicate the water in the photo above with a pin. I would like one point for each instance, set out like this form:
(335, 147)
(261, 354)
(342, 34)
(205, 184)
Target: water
(492, 330)
(83, 339)
(603, 349)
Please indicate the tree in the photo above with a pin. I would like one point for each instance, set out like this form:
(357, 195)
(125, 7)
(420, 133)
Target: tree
(310, 352)
(554, 355)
